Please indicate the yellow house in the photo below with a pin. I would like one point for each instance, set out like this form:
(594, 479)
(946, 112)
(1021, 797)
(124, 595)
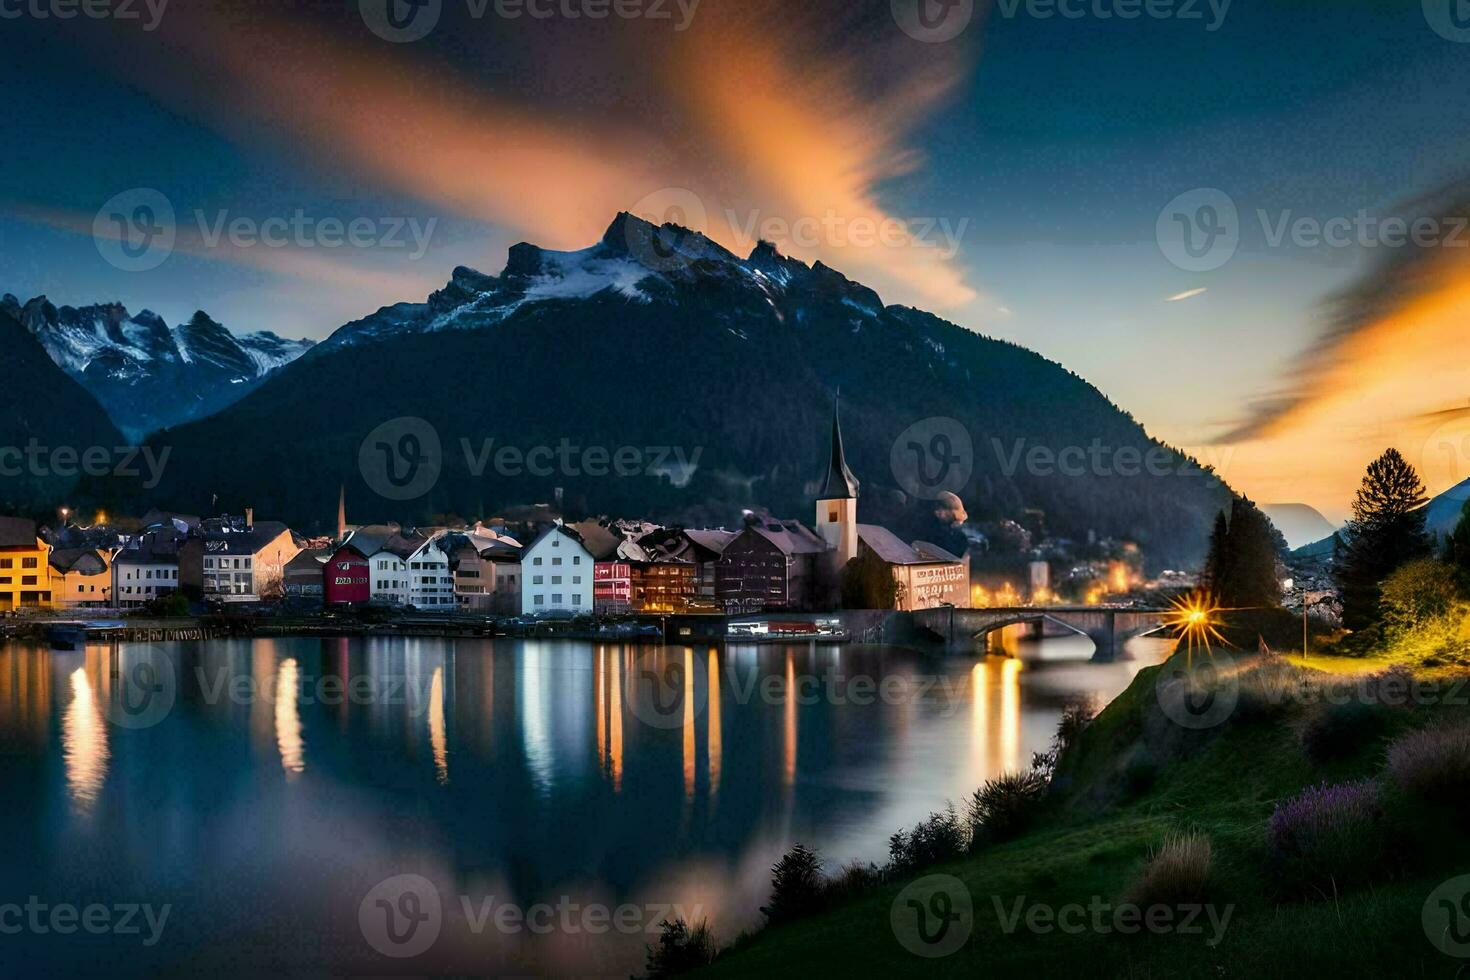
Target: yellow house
(81, 577)
(25, 566)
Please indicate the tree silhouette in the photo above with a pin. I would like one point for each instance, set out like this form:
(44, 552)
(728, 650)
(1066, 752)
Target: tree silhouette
(1386, 531)
(1241, 568)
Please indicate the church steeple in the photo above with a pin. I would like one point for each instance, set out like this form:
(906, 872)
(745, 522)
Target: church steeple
(840, 484)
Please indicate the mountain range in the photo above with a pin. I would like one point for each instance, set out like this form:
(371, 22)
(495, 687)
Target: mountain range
(146, 374)
(720, 372)
(1300, 524)
(1441, 516)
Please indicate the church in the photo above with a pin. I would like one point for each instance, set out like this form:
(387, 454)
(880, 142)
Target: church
(783, 565)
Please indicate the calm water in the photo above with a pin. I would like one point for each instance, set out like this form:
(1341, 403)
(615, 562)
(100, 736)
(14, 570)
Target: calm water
(265, 790)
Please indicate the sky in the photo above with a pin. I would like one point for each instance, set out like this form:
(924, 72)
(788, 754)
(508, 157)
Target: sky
(1186, 207)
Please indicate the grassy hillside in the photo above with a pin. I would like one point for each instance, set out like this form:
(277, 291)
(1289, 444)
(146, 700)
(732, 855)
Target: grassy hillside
(1133, 779)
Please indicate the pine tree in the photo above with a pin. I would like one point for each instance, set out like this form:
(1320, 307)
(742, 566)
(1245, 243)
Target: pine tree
(1386, 531)
(1240, 571)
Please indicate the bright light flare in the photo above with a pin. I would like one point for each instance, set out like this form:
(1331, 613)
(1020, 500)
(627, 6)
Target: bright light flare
(1194, 619)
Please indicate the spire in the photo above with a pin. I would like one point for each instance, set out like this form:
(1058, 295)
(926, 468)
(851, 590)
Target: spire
(342, 512)
(840, 483)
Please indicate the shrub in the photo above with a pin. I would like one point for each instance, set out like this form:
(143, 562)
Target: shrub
(1433, 764)
(1177, 873)
(1004, 807)
(1336, 731)
(680, 949)
(942, 837)
(797, 885)
(1073, 723)
(1329, 835)
(854, 878)
(1417, 593)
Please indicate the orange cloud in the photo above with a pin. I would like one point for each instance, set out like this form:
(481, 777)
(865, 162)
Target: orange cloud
(757, 130)
(813, 125)
(1396, 379)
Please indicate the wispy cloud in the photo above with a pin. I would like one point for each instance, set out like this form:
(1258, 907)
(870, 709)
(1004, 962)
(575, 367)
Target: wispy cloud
(806, 124)
(307, 265)
(1389, 370)
(1187, 294)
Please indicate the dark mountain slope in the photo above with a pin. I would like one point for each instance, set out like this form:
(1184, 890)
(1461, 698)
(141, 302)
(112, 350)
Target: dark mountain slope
(39, 401)
(682, 346)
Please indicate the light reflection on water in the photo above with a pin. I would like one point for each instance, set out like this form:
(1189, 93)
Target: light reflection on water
(291, 776)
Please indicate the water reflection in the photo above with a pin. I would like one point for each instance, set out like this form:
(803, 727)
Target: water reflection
(715, 736)
(437, 736)
(84, 743)
(288, 718)
(835, 746)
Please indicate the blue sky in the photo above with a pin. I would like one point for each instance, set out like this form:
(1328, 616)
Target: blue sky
(1053, 143)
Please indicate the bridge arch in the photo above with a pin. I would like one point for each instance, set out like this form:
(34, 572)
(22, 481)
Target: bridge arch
(1108, 627)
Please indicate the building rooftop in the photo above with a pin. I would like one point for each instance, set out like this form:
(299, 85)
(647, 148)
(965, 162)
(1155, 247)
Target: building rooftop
(17, 532)
(891, 548)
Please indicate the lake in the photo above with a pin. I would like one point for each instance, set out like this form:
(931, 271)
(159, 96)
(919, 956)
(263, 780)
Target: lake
(401, 806)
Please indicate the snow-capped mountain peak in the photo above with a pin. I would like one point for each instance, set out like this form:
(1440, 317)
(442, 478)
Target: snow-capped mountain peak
(146, 374)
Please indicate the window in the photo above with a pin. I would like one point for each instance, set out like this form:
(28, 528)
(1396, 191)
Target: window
(556, 580)
(28, 563)
(539, 600)
(556, 561)
(538, 580)
(28, 580)
(576, 580)
(556, 598)
(577, 599)
(7, 562)
(576, 559)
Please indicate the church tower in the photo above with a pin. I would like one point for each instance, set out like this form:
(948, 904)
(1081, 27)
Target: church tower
(837, 503)
(342, 513)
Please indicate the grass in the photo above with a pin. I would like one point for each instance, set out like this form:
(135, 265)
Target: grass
(1101, 836)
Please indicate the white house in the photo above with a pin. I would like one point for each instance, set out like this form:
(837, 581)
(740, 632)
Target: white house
(146, 568)
(430, 586)
(405, 569)
(389, 574)
(556, 574)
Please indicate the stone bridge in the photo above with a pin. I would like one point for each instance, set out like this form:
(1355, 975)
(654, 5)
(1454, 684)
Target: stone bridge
(1108, 628)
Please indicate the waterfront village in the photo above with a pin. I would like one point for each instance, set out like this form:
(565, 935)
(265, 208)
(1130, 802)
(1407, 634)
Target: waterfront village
(533, 570)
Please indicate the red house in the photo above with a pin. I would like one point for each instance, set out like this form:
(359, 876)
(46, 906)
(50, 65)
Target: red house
(346, 580)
